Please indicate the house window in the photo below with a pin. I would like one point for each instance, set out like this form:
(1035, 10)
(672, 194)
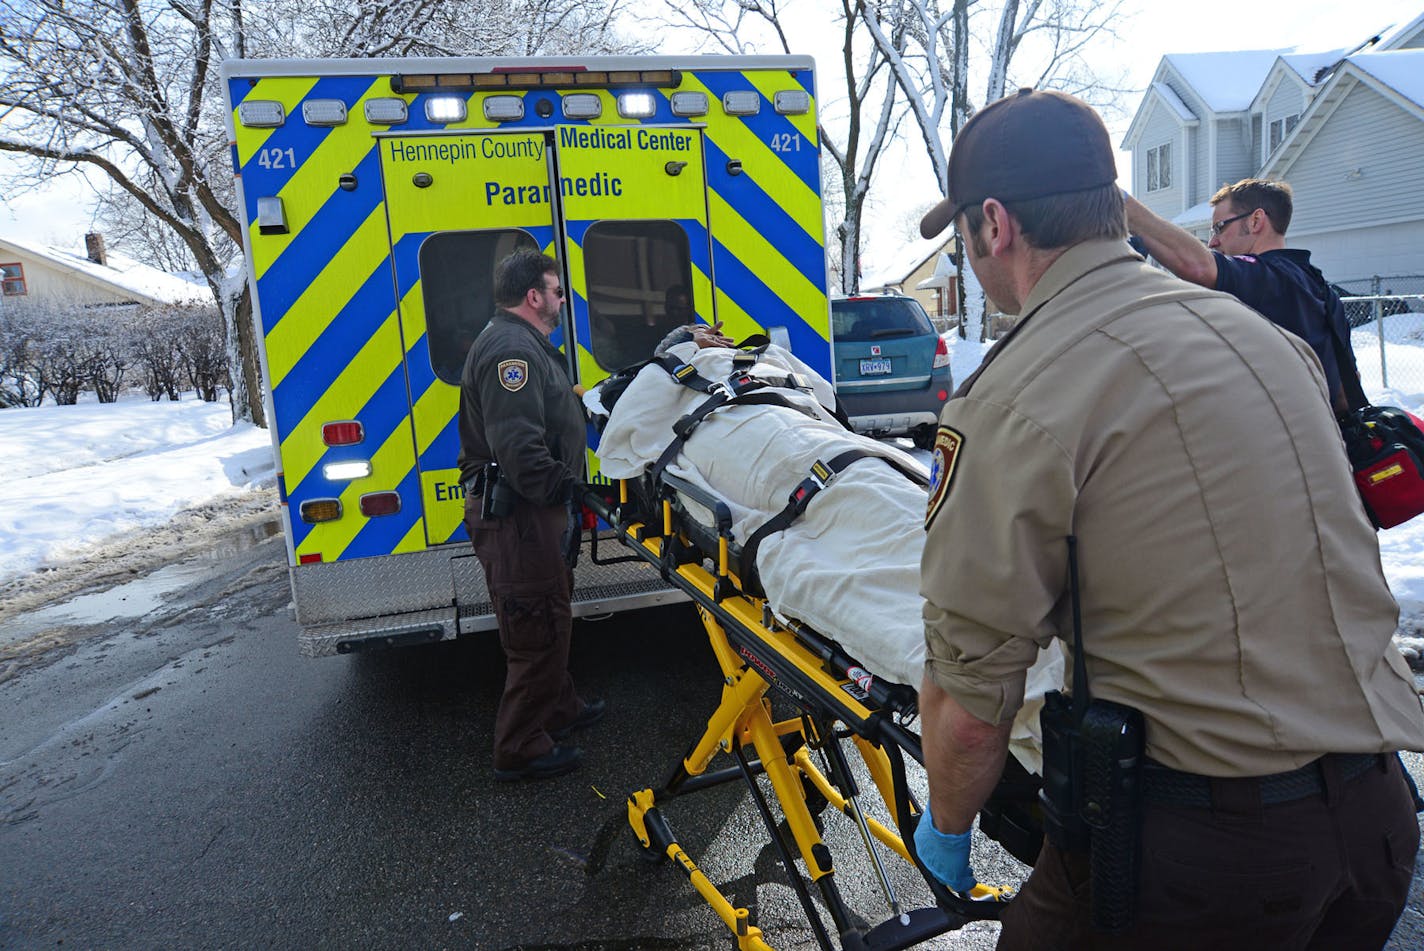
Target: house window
(12, 277)
(1159, 167)
(1280, 128)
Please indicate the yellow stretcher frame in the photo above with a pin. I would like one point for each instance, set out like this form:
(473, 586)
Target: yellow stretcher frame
(757, 653)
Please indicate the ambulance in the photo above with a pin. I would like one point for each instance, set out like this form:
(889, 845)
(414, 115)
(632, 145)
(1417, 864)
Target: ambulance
(378, 195)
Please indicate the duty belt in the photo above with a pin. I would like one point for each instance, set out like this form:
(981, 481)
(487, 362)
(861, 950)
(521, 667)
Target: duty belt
(1165, 786)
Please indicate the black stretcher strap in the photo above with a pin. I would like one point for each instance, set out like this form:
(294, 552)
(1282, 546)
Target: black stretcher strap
(821, 475)
(740, 389)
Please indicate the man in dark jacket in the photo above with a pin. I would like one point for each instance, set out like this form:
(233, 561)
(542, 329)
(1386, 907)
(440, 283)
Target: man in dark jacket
(518, 410)
(1247, 258)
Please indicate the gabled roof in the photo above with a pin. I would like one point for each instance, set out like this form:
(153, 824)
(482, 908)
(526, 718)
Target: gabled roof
(1159, 92)
(1396, 37)
(122, 275)
(1311, 66)
(1398, 75)
(1401, 70)
(1226, 82)
(919, 251)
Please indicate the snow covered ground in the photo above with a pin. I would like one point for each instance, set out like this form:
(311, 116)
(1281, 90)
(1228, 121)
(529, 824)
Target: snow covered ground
(98, 480)
(75, 478)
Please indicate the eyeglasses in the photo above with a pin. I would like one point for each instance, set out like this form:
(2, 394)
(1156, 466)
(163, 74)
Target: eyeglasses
(556, 291)
(1218, 227)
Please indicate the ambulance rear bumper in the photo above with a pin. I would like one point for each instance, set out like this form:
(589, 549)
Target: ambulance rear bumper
(437, 595)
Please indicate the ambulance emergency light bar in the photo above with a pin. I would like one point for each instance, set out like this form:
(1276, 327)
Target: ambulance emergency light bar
(515, 78)
(452, 108)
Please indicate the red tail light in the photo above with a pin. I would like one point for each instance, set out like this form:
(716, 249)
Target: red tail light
(380, 503)
(347, 433)
(941, 354)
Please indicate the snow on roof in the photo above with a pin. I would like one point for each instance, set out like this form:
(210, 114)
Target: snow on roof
(1175, 101)
(1391, 37)
(906, 260)
(1199, 213)
(122, 273)
(1400, 70)
(1227, 82)
(1309, 65)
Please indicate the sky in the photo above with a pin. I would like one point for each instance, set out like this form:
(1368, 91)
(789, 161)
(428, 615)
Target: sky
(1149, 30)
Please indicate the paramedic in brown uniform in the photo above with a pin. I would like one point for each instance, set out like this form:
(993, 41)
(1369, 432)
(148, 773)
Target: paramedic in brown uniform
(518, 409)
(1230, 582)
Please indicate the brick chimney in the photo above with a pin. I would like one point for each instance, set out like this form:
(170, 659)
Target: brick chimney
(94, 248)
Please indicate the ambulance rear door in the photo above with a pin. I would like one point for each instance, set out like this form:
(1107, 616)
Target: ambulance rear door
(634, 241)
(457, 205)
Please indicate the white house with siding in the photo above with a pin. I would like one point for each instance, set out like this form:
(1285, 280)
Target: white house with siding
(1344, 127)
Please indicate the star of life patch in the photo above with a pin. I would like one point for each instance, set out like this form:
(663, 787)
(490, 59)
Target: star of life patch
(943, 459)
(513, 374)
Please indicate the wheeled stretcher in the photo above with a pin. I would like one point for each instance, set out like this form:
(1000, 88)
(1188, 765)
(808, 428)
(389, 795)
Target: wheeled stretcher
(730, 542)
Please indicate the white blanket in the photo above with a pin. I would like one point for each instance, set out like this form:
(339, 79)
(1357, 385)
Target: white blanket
(849, 566)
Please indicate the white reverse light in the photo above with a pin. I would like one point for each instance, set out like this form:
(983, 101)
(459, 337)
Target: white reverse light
(346, 471)
(637, 105)
(261, 114)
(445, 109)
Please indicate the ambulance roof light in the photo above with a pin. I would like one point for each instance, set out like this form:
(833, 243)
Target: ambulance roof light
(324, 112)
(637, 105)
(689, 104)
(261, 114)
(792, 102)
(386, 110)
(504, 108)
(741, 102)
(582, 105)
(346, 471)
(445, 109)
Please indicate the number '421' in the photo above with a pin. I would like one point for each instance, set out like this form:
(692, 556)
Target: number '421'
(786, 142)
(277, 158)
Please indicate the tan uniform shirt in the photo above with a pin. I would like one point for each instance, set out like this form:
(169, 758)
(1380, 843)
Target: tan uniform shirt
(1231, 585)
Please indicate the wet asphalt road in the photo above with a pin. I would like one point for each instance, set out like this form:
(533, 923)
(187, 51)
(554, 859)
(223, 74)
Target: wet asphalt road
(184, 779)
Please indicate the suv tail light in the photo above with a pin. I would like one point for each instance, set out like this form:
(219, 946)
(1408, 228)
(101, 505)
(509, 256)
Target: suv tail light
(941, 358)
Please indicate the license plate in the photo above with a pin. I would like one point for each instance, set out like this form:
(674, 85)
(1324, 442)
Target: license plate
(875, 367)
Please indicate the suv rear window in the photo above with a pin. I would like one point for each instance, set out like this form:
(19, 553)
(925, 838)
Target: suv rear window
(872, 318)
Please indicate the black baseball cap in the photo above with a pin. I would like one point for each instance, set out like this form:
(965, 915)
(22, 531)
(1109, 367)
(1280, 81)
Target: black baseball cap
(1030, 144)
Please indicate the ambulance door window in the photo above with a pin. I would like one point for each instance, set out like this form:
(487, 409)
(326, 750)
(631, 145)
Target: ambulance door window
(457, 284)
(639, 278)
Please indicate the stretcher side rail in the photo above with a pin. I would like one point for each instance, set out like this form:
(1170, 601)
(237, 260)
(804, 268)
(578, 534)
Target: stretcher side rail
(759, 653)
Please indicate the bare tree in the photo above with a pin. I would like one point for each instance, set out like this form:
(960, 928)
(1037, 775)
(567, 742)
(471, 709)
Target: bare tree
(128, 88)
(870, 116)
(1043, 40)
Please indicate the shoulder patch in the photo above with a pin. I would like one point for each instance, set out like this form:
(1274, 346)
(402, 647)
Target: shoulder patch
(1244, 257)
(943, 458)
(513, 374)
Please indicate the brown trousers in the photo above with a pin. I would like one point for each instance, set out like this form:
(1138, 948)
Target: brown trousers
(1329, 871)
(530, 586)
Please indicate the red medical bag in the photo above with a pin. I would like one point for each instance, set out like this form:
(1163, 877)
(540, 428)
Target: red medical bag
(1386, 449)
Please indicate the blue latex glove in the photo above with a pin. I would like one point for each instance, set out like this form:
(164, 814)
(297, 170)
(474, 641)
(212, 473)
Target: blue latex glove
(946, 856)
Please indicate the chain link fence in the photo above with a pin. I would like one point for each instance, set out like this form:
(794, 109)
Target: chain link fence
(1386, 316)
